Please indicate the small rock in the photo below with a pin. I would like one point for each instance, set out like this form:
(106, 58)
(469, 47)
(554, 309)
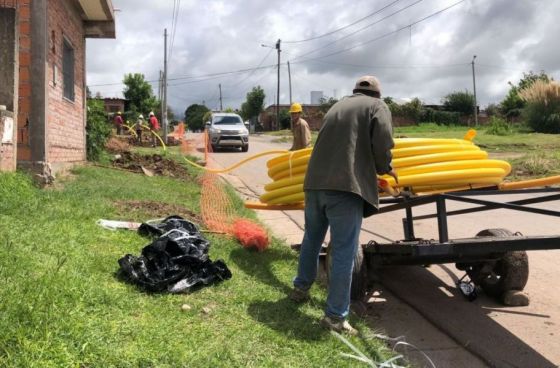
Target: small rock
(185, 307)
(206, 310)
(515, 298)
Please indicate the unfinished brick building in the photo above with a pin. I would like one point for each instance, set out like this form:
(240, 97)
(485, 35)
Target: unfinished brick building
(42, 80)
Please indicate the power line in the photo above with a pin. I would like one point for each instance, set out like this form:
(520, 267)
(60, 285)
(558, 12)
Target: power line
(253, 71)
(390, 66)
(349, 25)
(386, 34)
(500, 67)
(191, 76)
(175, 17)
(359, 30)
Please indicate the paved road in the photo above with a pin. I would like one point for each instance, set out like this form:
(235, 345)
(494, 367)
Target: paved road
(422, 304)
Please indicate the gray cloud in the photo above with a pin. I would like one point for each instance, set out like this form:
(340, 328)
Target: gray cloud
(429, 60)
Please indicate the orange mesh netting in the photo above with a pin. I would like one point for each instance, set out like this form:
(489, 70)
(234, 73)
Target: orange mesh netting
(216, 207)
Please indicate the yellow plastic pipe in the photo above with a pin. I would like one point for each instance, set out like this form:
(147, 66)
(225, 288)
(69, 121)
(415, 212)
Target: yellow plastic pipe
(551, 180)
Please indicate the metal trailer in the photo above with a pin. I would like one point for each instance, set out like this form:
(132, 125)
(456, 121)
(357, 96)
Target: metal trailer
(495, 259)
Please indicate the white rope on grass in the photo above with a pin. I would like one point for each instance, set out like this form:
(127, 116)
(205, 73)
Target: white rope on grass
(363, 358)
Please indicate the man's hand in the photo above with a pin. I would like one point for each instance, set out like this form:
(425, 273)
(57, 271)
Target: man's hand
(394, 175)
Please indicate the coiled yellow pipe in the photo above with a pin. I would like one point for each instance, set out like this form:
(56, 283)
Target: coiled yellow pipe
(422, 164)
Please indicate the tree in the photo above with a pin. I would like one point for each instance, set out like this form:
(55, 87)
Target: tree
(194, 115)
(461, 102)
(326, 103)
(512, 103)
(254, 104)
(139, 94)
(492, 109)
(388, 100)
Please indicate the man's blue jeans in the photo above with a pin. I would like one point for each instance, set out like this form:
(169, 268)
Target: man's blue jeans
(343, 212)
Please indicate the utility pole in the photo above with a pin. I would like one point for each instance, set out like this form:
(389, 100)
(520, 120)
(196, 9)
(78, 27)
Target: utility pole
(475, 110)
(220, 86)
(278, 88)
(164, 111)
(161, 94)
(290, 82)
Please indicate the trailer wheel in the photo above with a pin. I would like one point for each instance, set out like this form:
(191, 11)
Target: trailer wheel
(510, 272)
(359, 273)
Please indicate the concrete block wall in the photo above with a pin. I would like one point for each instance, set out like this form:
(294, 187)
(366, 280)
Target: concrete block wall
(65, 118)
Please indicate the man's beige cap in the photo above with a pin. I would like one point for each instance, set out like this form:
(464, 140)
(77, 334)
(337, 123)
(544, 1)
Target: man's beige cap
(368, 83)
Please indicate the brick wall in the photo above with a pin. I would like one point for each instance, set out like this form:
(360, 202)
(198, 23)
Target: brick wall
(24, 90)
(65, 118)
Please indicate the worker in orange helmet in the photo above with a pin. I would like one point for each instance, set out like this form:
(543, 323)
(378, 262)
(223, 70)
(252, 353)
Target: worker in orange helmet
(300, 128)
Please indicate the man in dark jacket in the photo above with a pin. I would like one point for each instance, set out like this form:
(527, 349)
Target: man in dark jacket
(340, 187)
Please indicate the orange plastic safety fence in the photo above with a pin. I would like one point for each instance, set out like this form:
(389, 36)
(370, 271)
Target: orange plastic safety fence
(216, 207)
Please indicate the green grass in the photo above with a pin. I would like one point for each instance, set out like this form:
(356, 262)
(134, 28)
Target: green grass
(532, 155)
(518, 141)
(63, 305)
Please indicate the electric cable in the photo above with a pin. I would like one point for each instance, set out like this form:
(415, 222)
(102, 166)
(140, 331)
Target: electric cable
(347, 26)
(359, 30)
(387, 34)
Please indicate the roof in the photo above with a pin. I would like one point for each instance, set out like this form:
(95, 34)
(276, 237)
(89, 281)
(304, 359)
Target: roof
(98, 17)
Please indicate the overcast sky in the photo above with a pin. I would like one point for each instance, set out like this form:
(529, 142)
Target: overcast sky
(417, 48)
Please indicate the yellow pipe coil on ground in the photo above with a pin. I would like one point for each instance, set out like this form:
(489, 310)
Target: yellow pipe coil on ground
(427, 165)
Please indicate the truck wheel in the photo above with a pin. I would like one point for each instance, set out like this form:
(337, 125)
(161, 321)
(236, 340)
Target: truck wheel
(359, 273)
(214, 148)
(508, 273)
(245, 148)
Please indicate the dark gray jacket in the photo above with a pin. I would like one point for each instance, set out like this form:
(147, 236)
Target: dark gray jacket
(353, 145)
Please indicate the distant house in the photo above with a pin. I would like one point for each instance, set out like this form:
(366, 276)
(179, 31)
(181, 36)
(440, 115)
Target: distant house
(114, 105)
(311, 113)
(42, 80)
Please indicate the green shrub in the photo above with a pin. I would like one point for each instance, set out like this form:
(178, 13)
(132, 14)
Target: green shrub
(542, 110)
(498, 126)
(440, 117)
(98, 129)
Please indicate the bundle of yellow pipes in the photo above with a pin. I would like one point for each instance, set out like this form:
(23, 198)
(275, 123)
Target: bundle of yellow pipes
(423, 165)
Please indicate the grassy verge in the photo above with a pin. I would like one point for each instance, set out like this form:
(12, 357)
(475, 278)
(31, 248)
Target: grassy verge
(62, 304)
(530, 154)
(519, 140)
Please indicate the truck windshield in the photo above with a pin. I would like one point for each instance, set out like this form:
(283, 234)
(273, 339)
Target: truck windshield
(227, 120)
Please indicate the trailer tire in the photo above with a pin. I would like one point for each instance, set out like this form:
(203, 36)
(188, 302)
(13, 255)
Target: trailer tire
(359, 285)
(508, 273)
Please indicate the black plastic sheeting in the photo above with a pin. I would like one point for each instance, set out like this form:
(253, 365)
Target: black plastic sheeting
(176, 261)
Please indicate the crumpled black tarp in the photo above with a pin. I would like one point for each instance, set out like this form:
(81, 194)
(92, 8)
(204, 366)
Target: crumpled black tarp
(177, 260)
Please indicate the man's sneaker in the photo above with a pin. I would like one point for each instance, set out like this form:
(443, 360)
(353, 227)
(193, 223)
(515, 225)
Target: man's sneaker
(299, 295)
(338, 325)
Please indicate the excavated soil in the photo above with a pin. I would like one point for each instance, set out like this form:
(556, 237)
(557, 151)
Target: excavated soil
(154, 164)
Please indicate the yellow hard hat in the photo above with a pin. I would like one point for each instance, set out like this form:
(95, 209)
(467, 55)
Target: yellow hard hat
(295, 107)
